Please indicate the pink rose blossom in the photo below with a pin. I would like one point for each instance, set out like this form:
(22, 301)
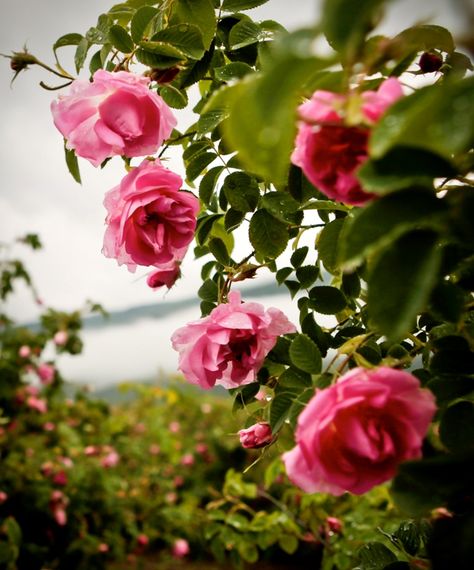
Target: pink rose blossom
(143, 540)
(165, 276)
(3, 497)
(229, 346)
(49, 426)
(110, 460)
(256, 436)
(334, 525)
(37, 404)
(58, 503)
(91, 450)
(46, 373)
(178, 481)
(328, 151)
(24, 351)
(354, 434)
(60, 478)
(187, 460)
(180, 548)
(116, 114)
(103, 547)
(60, 338)
(174, 427)
(150, 221)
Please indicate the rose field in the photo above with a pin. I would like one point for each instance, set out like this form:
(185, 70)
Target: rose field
(272, 209)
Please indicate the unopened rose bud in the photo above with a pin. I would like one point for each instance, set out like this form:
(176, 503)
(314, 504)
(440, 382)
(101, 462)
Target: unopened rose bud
(256, 436)
(21, 60)
(430, 62)
(163, 76)
(334, 525)
(165, 276)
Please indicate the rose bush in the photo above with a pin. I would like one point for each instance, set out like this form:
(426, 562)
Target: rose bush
(329, 150)
(228, 347)
(354, 434)
(115, 114)
(150, 220)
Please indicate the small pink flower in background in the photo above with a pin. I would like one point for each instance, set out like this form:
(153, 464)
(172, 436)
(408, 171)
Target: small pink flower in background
(3, 497)
(103, 547)
(58, 503)
(188, 460)
(229, 345)
(174, 427)
(49, 426)
(116, 114)
(201, 448)
(354, 434)
(37, 404)
(143, 540)
(150, 221)
(91, 450)
(47, 468)
(171, 497)
(60, 338)
(166, 276)
(154, 449)
(60, 478)
(178, 481)
(328, 151)
(24, 351)
(180, 548)
(256, 436)
(110, 460)
(46, 373)
(66, 461)
(334, 525)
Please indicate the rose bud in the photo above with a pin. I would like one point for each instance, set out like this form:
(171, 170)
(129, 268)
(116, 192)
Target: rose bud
(256, 436)
(430, 62)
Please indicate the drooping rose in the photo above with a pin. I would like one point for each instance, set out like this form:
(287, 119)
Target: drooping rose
(150, 221)
(115, 114)
(164, 276)
(180, 548)
(328, 151)
(229, 345)
(256, 436)
(354, 434)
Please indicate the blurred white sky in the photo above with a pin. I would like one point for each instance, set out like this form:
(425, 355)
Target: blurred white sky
(37, 194)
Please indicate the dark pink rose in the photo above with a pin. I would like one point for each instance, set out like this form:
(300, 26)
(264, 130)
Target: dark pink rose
(354, 434)
(151, 222)
(229, 346)
(164, 276)
(256, 436)
(328, 151)
(116, 114)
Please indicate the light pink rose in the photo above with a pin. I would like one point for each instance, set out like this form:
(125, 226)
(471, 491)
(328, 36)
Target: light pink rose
(256, 436)
(37, 404)
(46, 373)
(24, 351)
(60, 338)
(180, 548)
(328, 151)
(354, 434)
(167, 275)
(116, 114)
(150, 221)
(110, 460)
(187, 460)
(229, 345)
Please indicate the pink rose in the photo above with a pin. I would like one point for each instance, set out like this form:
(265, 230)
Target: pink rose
(143, 540)
(187, 460)
(24, 351)
(46, 373)
(328, 151)
(3, 497)
(150, 221)
(110, 460)
(229, 346)
(60, 338)
(116, 114)
(353, 435)
(58, 503)
(37, 404)
(164, 276)
(256, 436)
(103, 547)
(180, 548)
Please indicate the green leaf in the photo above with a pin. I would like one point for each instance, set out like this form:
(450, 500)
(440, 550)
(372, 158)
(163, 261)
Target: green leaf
(457, 427)
(174, 97)
(208, 291)
(140, 22)
(425, 37)
(305, 354)
(438, 118)
(307, 275)
(233, 219)
(197, 164)
(72, 163)
(327, 300)
(403, 167)
(299, 255)
(155, 56)
(244, 33)
(248, 551)
(280, 204)
(345, 23)
(401, 280)
(328, 242)
(81, 54)
(268, 235)
(219, 250)
(242, 191)
(208, 183)
(238, 5)
(400, 212)
(66, 40)
(163, 49)
(234, 70)
(280, 410)
(409, 536)
(209, 120)
(288, 543)
(120, 39)
(375, 556)
(205, 225)
(198, 13)
(186, 37)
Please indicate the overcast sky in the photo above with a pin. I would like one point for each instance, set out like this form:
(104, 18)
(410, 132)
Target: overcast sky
(37, 194)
